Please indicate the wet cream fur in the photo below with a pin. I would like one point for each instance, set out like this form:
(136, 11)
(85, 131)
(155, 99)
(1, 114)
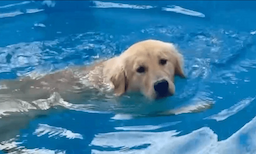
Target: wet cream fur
(118, 74)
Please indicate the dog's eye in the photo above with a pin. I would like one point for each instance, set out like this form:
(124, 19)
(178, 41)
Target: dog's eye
(163, 61)
(141, 69)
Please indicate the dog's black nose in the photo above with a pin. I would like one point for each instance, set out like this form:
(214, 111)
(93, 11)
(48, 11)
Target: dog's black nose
(161, 87)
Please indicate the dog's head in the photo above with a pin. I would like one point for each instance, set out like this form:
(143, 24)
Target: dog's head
(148, 67)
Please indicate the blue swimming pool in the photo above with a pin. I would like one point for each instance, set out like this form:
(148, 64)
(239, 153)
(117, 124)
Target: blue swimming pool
(212, 112)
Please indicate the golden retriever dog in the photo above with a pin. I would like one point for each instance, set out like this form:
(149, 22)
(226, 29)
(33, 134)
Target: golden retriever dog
(147, 67)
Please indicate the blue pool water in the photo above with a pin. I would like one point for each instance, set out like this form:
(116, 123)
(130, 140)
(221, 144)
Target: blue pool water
(214, 110)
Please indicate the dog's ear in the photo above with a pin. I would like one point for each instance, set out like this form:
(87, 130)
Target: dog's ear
(177, 59)
(120, 81)
(179, 66)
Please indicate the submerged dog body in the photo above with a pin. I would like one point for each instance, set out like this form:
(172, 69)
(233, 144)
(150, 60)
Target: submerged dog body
(147, 67)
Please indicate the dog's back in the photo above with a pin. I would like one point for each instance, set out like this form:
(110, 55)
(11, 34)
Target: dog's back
(65, 82)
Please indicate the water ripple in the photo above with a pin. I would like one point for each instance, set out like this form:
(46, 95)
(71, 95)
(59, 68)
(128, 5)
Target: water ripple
(201, 141)
(224, 114)
(16, 13)
(145, 127)
(44, 129)
(158, 142)
(14, 4)
(178, 9)
(214, 54)
(100, 4)
(169, 8)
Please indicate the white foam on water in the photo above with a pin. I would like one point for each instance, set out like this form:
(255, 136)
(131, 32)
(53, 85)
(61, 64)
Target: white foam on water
(49, 3)
(15, 4)
(178, 9)
(42, 151)
(146, 127)
(253, 32)
(10, 14)
(226, 113)
(201, 141)
(159, 142)
(99, 4)
(16, 13)
(172, 8)
(122, 117)
(34, 10)
(52, 131)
